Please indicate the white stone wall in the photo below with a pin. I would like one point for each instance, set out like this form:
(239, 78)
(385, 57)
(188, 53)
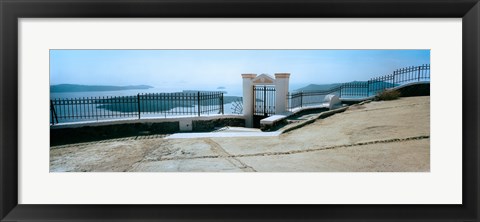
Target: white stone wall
(281, 83)
(281, 91)
(248, 98)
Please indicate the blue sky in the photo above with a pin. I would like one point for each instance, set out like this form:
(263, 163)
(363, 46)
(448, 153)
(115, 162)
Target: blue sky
(209, 69)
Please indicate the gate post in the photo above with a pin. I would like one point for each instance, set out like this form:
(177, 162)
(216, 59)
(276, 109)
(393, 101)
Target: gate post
(248, 99)
(281, 91)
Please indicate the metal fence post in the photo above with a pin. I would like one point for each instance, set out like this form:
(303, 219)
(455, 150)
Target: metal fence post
(138, 103)
(264, 100)
(301, 99)
(222, 106)
(368, 88)
(419, 73)
(394, 72)
(340, 94)
(198, 102)
(51, 112)
(54, 114)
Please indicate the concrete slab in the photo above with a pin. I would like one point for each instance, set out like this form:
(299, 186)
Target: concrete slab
(238, 129)
(222, 134)
(407, 156)
(189, 165)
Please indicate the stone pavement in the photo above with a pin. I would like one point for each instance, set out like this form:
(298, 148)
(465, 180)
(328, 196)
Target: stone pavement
(385, 136)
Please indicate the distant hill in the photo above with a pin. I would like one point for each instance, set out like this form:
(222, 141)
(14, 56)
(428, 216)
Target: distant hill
(318, 87)
(89, 88)
(325, 87)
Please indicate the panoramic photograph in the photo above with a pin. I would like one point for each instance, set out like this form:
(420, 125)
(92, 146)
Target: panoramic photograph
(239, 110)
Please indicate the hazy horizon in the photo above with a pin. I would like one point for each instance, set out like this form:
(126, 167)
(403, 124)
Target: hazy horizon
(210, 69)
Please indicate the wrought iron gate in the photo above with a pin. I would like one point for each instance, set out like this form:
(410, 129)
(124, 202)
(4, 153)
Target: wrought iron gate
(264, 103)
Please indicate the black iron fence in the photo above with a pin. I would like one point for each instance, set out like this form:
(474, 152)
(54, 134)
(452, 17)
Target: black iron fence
(361, 89)
(310, 98)
(141, 105)
(264, 100)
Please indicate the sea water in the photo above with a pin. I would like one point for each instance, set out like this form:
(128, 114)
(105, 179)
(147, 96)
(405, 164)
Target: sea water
(82, 110)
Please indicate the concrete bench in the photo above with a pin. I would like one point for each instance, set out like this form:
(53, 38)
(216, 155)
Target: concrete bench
(271, 121)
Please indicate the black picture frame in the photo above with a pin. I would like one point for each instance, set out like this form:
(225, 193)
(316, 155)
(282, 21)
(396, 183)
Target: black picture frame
(10, 11)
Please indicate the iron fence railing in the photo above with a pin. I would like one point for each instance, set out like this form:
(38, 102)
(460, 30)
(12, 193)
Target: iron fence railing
(361, 89)
(141, 105)
(309, 98)
(354, 89)
(264, 100)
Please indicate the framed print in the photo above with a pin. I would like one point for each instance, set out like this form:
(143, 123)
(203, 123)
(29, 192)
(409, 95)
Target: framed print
(226, 110)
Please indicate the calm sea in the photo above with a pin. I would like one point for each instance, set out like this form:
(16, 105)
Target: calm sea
(230, 91)
(132, 92)
(228, 108)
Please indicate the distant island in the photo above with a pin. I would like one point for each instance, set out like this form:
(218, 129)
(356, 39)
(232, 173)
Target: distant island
(91, 88)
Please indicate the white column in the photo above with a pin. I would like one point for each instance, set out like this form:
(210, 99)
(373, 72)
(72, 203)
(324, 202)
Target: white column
(281, 91)
(248, 99)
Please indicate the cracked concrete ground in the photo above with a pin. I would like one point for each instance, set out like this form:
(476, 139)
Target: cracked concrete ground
(385, 136)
